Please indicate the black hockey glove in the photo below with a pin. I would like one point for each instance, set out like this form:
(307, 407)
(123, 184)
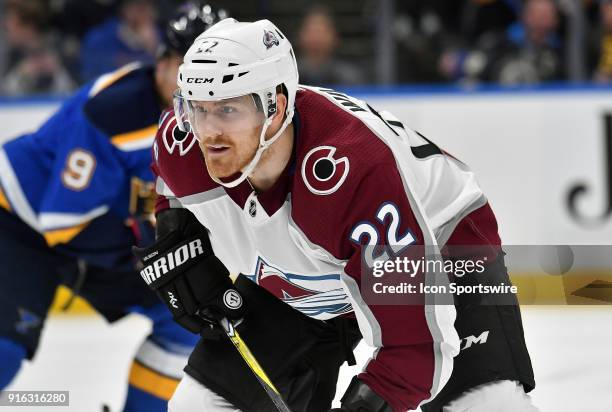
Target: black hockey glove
(360, 398)
(190, 279)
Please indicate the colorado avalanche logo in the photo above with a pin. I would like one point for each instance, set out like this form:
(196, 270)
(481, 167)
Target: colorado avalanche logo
(317, 296)
(269, 39)
(322, 173)
(175, 138)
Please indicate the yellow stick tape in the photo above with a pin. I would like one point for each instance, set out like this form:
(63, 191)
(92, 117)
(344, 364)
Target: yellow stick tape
(250, 359)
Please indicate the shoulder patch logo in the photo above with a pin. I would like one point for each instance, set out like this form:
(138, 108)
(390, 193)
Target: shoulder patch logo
(322, 173)
(175, 138)
(269, 39)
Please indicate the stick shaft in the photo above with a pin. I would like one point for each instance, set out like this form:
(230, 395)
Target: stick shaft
(254, 365)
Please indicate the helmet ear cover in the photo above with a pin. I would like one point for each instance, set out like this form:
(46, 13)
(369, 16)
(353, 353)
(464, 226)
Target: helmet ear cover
(268, 104)
(272, 99)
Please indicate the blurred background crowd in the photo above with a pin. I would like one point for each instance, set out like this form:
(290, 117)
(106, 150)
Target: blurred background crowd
(53, 46)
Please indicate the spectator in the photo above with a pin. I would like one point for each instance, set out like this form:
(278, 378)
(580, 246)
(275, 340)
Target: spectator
(529, 52)
(74, 18)
(533, 53)
(31, 66)
(600, 50)
(133, 36)
(318, 42)
(482, 17)
(422, 28)
(465, 24)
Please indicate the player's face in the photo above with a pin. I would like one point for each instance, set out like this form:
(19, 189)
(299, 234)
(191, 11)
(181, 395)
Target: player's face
(228, 133)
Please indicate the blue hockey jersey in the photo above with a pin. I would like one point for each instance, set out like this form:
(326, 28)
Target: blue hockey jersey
(85, 171)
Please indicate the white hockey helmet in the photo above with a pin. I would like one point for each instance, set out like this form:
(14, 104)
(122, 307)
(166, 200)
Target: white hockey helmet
(234, 59)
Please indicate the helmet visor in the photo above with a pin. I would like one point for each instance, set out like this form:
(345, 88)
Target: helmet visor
(225, 116)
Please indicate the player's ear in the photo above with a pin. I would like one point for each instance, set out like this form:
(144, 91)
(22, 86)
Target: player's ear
(281, 107)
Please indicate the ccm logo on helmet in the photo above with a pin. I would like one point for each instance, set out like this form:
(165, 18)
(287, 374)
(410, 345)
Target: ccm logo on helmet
(200, 80)
(322, 173)
(172, 260)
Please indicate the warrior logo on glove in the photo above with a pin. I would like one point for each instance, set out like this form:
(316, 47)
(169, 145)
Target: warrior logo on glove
(171, 260)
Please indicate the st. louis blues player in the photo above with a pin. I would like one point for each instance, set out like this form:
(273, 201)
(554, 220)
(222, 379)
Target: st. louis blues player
(75, 196)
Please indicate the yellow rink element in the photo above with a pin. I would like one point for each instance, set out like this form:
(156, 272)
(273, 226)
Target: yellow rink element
(578, 287)
(152, 382)
(78, 307)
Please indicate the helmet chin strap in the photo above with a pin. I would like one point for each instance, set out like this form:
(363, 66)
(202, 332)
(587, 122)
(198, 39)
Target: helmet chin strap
(263, 145)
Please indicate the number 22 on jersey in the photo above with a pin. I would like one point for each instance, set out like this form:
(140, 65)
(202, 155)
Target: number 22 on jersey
(393, 240)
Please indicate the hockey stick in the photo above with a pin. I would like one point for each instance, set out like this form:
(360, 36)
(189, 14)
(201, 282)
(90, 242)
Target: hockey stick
(252, 363)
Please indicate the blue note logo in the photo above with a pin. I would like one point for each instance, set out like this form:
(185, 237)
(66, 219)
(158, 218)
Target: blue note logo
(27, 322)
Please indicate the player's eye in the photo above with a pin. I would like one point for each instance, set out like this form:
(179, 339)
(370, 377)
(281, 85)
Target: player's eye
(227, 109)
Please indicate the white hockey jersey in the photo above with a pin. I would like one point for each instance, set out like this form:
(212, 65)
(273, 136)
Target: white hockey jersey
(356, 177)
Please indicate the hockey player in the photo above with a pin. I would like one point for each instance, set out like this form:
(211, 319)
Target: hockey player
(282, 185)
(74, 197)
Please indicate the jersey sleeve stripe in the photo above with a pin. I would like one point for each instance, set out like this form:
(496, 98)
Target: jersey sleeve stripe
(14, 193)
(63, 227)
(368, 325)
(55, 237)
(4, 203)
(135, 140)
(107, 79)
(440, 318)
(174, 203)
(202, 197)
(162, 188)
(443, 231)
(151, 381)
(144, 144)
(162, 360)
(54, 221)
